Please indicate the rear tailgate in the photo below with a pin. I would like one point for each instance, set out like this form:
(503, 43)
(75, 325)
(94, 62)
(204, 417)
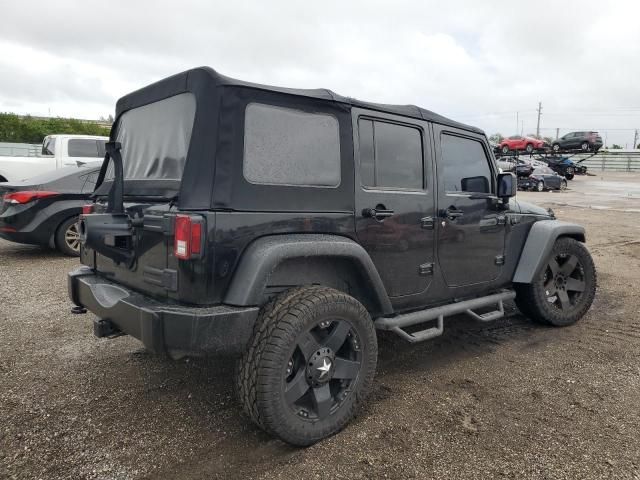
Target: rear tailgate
(129, 238)
(150, 250)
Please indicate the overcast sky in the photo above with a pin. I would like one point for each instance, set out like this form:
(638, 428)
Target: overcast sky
(478, 62)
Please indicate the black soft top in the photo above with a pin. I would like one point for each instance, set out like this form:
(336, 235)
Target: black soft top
(213, 176)
(170, 85)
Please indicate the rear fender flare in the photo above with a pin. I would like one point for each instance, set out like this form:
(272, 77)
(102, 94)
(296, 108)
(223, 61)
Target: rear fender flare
(262, 257)
(537, 248)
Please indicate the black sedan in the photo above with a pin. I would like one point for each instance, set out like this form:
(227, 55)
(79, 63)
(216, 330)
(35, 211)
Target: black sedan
(543, 178)
(44, 209)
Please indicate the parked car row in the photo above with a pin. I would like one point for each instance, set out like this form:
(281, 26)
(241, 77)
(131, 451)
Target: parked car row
(585, 141)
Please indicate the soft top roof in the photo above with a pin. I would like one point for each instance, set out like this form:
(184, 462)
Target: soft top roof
(178, 83)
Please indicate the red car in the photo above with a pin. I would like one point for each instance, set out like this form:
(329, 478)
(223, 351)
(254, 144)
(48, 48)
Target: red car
(517, 142)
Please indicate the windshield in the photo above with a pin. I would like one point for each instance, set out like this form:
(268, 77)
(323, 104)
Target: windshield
(155, 139)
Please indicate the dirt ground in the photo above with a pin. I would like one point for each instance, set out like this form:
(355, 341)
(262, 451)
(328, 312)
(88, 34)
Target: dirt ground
(502, 400)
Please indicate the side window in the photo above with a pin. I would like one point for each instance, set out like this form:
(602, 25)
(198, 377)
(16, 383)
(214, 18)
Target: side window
(83, 148)
(284, 146)
(464, 166)
(390, 155)
(49, 146)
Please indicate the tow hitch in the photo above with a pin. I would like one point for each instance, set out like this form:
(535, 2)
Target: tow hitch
(105, 328)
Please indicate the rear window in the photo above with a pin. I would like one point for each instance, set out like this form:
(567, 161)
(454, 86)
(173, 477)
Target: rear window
(84, 148)
(155, 138)
(285, 146)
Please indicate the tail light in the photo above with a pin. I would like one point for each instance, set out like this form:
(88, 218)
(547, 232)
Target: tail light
(19, 198)
(188, 237)
(87, 209)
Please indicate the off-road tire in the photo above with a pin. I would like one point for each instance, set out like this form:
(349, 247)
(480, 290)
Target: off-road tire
(532, 299)
(260, 373)
(61, 240)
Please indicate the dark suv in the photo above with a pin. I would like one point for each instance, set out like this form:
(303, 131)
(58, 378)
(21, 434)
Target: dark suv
(286, 226)
(583, 141)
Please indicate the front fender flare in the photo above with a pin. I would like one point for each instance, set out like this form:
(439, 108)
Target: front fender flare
(537, 248)
(263, 256)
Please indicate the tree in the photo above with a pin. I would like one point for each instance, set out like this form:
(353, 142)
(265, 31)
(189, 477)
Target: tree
(549, 140)
(496, 138)
(14, 128)
(615, 146)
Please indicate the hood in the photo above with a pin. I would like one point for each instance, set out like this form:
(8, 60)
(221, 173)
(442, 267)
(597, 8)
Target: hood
(526, 208)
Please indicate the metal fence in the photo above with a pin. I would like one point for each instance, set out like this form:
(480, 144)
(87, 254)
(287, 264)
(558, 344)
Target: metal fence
(625, 161)
(19, 149)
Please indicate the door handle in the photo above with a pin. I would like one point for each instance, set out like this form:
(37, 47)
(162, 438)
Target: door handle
(453, 213)
(379, 213)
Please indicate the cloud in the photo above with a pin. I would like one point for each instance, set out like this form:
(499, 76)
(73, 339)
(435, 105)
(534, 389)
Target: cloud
(478, 62)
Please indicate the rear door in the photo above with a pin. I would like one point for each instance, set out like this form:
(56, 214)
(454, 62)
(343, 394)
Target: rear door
(471, 227)
(395, 199)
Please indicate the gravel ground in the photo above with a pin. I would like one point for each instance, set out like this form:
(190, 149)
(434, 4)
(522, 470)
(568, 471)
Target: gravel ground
(503, 400)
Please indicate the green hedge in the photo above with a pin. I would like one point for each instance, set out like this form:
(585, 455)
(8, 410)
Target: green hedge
(32, 130)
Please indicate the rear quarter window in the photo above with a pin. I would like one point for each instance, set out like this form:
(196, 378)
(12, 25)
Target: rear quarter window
(285, 146)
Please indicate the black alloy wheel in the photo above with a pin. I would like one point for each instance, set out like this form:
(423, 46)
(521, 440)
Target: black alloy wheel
(562, 292)
(564, 281)
(309, 364)
(325, 362)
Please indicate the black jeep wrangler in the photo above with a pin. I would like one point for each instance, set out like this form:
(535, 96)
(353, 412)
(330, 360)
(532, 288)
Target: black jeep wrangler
(285, 226)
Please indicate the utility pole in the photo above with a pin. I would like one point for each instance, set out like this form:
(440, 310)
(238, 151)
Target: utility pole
(517, 121)
(557, 133)
(635, 139)
(539, 113)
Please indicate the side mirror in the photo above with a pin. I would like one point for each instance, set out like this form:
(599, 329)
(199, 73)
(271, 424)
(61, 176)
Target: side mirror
(507, 185)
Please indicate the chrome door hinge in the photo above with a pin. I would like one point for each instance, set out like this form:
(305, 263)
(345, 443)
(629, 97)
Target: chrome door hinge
(427, 223)
(425, 269)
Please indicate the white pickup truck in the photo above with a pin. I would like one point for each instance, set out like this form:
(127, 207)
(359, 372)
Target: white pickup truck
(58, 151)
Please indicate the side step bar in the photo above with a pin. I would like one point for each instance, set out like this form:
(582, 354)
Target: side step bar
(396, 324)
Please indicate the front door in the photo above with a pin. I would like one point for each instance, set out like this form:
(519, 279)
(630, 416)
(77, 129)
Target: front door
(471, 225)
(395, 199)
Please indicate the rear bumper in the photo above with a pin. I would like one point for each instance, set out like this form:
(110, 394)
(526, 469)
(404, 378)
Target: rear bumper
(162, 327)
